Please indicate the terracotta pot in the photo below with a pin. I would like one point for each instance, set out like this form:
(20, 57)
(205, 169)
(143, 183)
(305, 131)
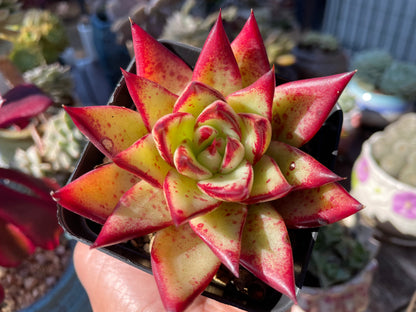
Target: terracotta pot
(256, 295)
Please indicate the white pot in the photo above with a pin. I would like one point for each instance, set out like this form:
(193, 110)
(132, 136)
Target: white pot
(389, 203)
(351, 296)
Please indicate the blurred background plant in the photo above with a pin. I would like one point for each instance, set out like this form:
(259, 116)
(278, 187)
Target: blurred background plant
(378, 71)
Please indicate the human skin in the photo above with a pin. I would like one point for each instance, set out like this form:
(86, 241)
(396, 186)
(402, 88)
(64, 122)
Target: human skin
(112, 285)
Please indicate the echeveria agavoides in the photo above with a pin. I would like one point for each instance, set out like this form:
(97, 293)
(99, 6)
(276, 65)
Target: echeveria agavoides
(216, 150)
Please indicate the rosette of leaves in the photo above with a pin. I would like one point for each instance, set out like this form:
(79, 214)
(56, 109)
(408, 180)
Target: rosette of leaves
(41, 39)
(56, 153)
(337, 255)
(210, 163)
(55, 80)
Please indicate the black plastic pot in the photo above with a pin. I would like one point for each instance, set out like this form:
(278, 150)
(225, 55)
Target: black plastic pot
(255, 296)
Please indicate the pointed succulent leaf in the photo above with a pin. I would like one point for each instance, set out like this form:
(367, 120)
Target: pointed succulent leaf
(256, 135)
(183, 266)
(234, 186)
(233, 155)
(184, 198)
(14, 245)
(187, 164)
(216, 65)
(266, 251)
(203, 137)
(250, 52)
(196, 97)
(221, 229)
(22, 103)
(316, 207)
(35, 217)
(300, 169)
(220, 116)
(143, 159)
(95, 194)
(256, 98)
(142, 210)
(211, 157)
(170, 131)
(269, 182)
(110, 128)
(157, 63)
(151, 99)
(301, 107)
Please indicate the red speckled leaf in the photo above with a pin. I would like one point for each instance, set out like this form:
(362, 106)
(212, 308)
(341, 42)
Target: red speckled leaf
(142, 210)
(216, 65)
(151, 99)
(143, 159)
(234, 186)
(316, 207)
(95, 194)
(256, 98)
(195, 98)
(110, 128)
(266, 251)
(155, 62)
(221, 229)
(300, 107)
(250, 52)
(300, 169)
(256, 134)
(269, 182)
(14, 245)
(183, 266)
(184, 198)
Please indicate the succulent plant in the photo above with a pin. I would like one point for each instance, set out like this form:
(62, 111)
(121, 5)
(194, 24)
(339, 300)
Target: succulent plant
(337, 255)
(27, 217)
(57, 152)
(41, 39)
(400, 79)
(370, 66)
(209, 163)
(395, 149)
(316, 40)
(55, 80)
(10, 16)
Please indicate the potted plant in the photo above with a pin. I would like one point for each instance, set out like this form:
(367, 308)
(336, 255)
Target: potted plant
(341, 270)
(318, 54)
(383, 88)
(208, 164)
(384, 180)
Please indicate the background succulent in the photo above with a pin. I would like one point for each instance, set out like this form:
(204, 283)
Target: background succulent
(315, 40)
(395, 150)
(10, 16)
(56, 153)
(41, 39)
(55, 80)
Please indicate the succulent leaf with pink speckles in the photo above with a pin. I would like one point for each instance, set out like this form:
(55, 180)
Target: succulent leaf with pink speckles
(210, 163)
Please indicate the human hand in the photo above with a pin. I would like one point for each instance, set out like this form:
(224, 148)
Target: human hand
(112, 285)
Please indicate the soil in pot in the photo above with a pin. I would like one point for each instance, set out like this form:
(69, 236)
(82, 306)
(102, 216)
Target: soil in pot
(31, 280)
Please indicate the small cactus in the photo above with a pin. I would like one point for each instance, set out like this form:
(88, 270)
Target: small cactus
(395, 150)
